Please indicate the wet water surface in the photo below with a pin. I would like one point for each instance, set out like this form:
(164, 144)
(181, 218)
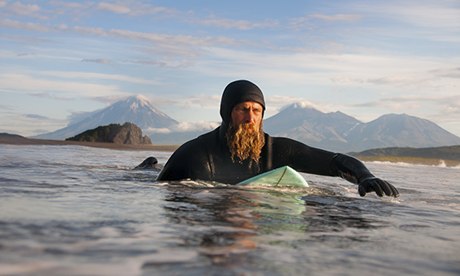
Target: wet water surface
(83, 211)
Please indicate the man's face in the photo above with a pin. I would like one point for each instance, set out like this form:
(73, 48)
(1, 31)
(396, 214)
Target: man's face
(245, 137)
(247, 113)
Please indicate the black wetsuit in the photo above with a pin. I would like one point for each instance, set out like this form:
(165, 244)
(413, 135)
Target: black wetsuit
(208, 158)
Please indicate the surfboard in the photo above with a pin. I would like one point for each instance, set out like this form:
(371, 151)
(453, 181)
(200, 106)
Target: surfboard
(280, 177)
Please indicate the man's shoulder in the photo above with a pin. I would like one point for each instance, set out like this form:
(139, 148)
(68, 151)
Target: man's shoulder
(279, 138)
(285, 141)
(208, 137)
(198, 143)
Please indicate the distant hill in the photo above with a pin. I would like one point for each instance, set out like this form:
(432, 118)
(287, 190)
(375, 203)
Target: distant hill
(450, 155)
(450, 152)
(127, 133)
(8, 138)
(136, 109)
(400, 130)
(339, 132)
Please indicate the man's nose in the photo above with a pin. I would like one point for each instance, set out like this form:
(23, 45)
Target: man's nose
(250, 117)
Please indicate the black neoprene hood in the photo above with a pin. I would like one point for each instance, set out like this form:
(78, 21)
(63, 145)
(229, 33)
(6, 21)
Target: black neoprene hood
(237, 92)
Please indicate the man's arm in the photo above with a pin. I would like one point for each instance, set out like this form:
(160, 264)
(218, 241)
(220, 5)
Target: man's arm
(307, 159)
(179, 165)
(174, 169)
(189, 161)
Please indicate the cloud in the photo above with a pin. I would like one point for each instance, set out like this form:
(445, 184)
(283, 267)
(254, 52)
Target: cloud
(42, 87)
(442, 14)
(85, 8)
(201, 101)
(23, 9)
(443, 110)
(152, 37)
(28, 124)
(445, 103)
(424, 74)
(186, 127)
(235, 24)
(175, 46)
(427, 21)
(335, 17)
(325, 68)
(182, 45)
(453, 73)
(171, 48)
(7, 23)
(135, 9)
(5, 107)
(115, 8)
(77, 75)
(76, 117)
(175, 51)
(195, 126)
(310, 20)
(36, 116)
(159, 63)
(69, 5)
(97, 60)
(69, 85)
(184, 102)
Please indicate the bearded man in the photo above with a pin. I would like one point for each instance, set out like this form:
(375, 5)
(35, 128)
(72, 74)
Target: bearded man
(239, 149)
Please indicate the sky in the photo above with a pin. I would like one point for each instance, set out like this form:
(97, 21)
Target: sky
(366, 58)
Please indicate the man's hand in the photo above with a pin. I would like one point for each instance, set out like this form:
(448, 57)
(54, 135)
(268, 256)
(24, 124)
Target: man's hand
(377, 185)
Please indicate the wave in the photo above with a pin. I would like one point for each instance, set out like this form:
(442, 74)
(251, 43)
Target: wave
(441, 164)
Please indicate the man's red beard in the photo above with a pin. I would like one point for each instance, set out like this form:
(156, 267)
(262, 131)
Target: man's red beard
(245, 141)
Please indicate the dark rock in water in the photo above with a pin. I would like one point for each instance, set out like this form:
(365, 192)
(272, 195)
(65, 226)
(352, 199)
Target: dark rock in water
(151, 163)
(127, 133)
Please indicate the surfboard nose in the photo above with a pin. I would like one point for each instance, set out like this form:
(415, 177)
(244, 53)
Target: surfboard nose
(280, 177)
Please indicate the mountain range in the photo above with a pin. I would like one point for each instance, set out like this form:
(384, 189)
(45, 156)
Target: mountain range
(337, 131)
(333, 131)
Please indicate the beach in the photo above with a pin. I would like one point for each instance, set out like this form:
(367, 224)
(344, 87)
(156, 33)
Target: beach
(11, 139)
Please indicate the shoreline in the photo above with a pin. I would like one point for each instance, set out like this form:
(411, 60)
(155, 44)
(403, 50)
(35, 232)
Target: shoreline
(22, 141)
(425, 161)
(12, 139)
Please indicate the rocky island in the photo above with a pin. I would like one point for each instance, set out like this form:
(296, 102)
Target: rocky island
(128, 133)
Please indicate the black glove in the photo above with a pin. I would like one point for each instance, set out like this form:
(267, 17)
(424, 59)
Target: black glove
(353, 170)
(377, 185)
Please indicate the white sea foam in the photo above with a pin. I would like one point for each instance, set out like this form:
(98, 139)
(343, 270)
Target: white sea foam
(441, 164)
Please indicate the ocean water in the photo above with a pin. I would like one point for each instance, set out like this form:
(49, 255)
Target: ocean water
(72, 210)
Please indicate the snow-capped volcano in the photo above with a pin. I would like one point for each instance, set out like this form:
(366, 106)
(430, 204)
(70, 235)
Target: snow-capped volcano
(134, 109)
(137, 110)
